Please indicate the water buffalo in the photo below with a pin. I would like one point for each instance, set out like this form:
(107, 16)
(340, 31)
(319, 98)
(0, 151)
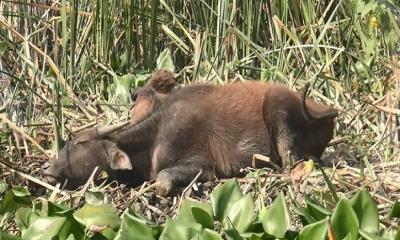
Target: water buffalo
(216, 129)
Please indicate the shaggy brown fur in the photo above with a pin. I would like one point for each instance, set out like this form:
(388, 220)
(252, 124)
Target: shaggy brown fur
(219, 128)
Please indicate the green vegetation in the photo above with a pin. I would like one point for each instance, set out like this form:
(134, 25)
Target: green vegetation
(230, 214)
(71, 64)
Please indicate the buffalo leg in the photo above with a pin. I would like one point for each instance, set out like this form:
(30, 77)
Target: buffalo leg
(288, 149)
(182, 175)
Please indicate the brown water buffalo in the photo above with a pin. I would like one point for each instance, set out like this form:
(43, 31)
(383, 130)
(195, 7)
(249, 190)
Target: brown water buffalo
(217, 129)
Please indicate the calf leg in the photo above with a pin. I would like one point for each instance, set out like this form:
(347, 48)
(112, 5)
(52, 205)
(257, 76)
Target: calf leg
(183, 174)
(288, 149)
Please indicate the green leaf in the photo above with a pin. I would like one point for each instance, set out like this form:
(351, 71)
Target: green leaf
(95, 197)
(233, 234)
(203, 217)
(369, 236)
(132, 227)
(6, 236)
(224, 195)
(344, 221)
(99, 215)
(395, 210)
(44, 228)
(240, 213)
(164, 61)
(175, 230)
(315, 209)
(190, 208)
(55, 209)
(366, 211)
(24, 217)
(317, 230)
(16, 197)
(276, 218)
(209, 234)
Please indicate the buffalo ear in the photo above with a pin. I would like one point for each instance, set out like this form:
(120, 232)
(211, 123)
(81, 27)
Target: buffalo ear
(120, 160)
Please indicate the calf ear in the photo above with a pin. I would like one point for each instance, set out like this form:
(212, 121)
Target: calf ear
(119, 160)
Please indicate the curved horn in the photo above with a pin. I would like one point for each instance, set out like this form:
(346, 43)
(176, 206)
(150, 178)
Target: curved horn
(101, 131)
(304, 109)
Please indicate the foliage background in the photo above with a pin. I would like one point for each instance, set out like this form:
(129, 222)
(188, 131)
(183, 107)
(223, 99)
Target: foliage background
(69, 64)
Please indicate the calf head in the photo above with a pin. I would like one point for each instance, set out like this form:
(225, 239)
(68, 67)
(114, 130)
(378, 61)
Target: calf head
(77, 160)
(149, 97)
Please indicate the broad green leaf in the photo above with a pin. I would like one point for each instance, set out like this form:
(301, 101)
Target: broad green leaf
(344, 221)
(44, 228)
(203, 217)
(164, 61)
(6, 236)
(175, 230)
(17, 196)
(276, 218)
(24, 217)
(99, 215)
(233, 234)
(315, 209)
(366, 211)
(369, 236)
(304, 214)
(223, 196)
(240, 213)
(71, 227)
(314, 231)
(133, 227)
(395, 210)
(95, 197)
(186, 213)
(57, 209)
(209, 234)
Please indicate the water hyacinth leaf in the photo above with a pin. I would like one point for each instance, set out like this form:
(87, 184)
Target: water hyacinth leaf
(176, 230)
(303, 213)
(366, 211)
(17, 196)
(44, 228)
(24, 217)
(344, 221)
(370, 236)
(133, 227)
(314, 231)
(6, 236)
(54, 208)
(203, 217)
(186, 213)
(223, 196)
(315, 209)
(240, 213)
(276, 218)
(164, 61)
(98, 215)
(233, 234)
(395, 210)
(209, 234)
(95, 197)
